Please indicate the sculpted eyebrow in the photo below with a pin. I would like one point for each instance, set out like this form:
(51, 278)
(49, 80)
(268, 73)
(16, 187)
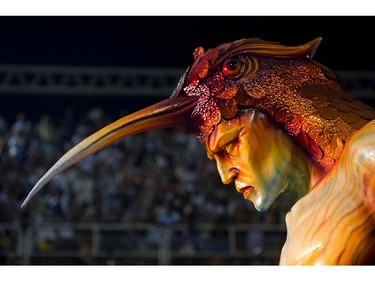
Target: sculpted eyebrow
(222, 141)
(222, 136)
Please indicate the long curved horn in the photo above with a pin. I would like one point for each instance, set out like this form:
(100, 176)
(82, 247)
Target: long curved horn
(172, 112)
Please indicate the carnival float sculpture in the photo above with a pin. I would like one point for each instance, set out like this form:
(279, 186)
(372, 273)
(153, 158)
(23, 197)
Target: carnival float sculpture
(274, 120)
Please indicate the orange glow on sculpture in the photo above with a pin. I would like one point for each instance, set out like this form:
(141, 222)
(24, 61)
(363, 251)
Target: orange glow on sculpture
(274, 120)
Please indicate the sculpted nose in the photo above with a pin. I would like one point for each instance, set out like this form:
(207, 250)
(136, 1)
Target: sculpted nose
(228, 175)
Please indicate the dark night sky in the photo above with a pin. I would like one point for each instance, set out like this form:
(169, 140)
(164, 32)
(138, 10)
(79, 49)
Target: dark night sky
(168, 41)
(161, 41)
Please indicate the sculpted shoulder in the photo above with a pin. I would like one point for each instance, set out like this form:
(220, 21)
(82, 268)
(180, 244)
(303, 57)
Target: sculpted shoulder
(361, 153)
(319, 235)
(361, 147)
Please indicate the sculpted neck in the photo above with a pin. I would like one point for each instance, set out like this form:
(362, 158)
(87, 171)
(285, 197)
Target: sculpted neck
(308, 176)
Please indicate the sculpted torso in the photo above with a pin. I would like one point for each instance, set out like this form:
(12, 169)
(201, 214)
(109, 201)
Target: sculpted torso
(335, 222)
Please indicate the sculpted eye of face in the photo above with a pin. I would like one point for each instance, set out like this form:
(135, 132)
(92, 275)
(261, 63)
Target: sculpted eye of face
(230, 147)
(224, 139)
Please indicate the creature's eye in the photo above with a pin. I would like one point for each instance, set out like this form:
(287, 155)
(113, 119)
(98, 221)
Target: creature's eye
(229, 147)
(232, 68)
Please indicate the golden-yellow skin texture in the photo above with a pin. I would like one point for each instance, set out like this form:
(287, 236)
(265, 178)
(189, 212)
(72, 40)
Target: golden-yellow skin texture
(258, 157)
(333, 223)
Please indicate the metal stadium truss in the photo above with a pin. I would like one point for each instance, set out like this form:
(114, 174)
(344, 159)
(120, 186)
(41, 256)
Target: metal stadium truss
(88, 80)
(148, 82)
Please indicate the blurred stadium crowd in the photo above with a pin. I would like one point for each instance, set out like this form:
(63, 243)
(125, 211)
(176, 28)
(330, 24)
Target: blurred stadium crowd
(161, 177)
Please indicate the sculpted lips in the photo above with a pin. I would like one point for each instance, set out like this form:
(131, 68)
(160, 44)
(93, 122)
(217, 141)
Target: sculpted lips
(245, 190)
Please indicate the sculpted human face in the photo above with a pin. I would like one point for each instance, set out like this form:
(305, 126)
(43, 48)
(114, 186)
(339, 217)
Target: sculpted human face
(259, 157)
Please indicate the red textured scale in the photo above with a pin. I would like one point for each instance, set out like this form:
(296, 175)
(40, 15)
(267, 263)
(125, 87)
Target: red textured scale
(205, 115)
(215, 83)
